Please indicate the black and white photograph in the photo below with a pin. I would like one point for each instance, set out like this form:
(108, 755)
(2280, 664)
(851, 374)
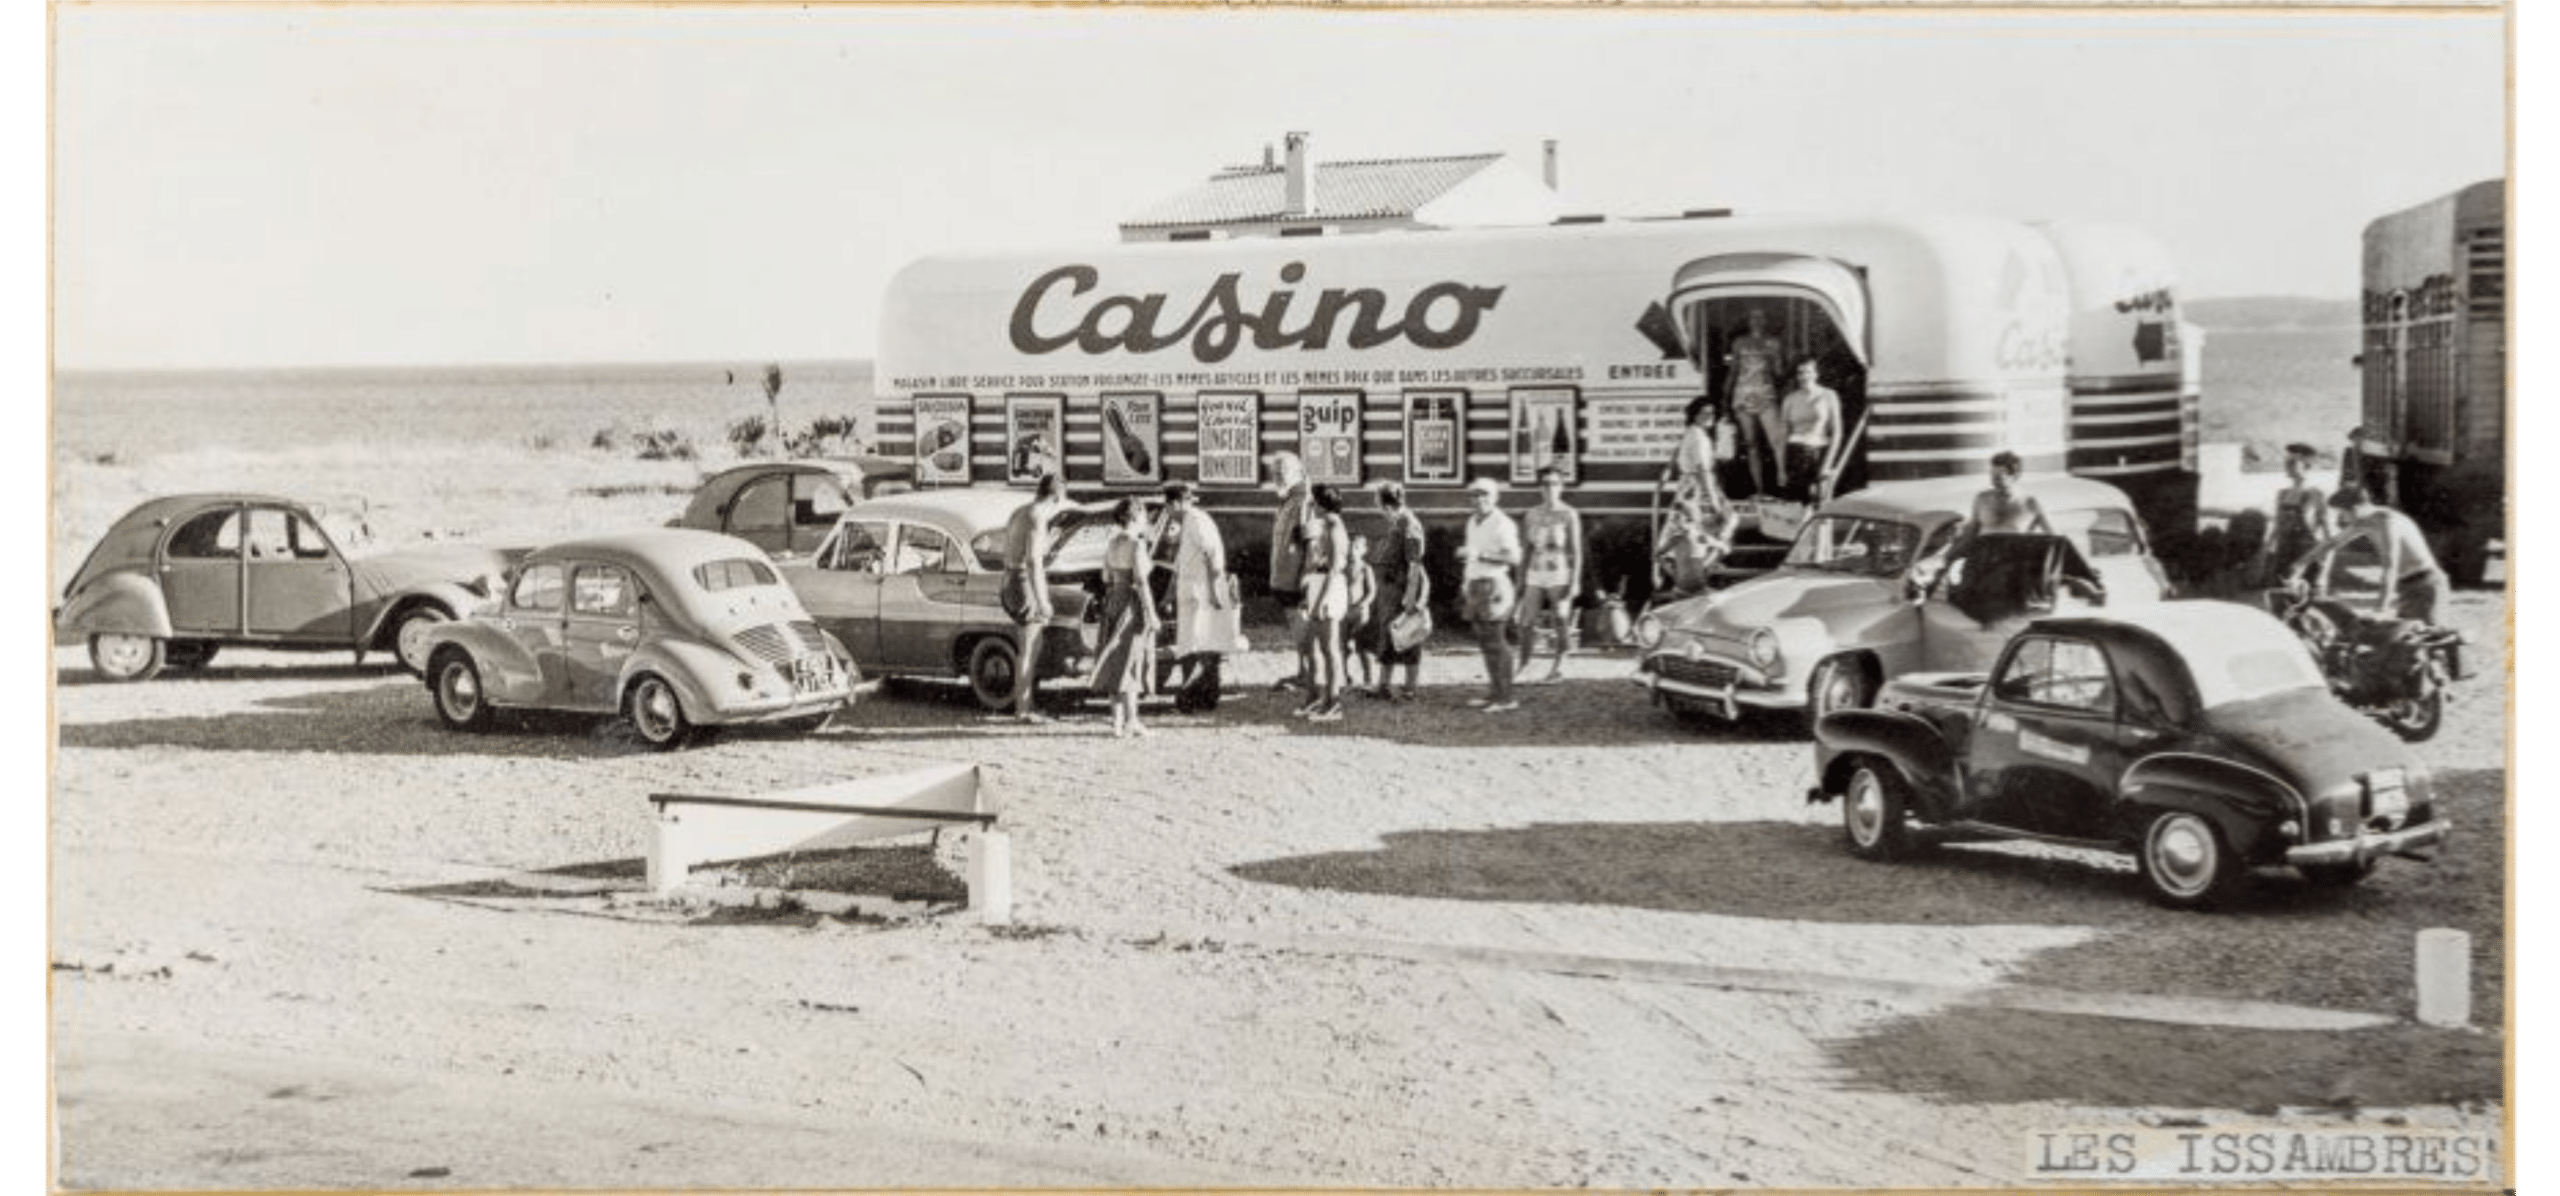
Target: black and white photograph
(876, 596)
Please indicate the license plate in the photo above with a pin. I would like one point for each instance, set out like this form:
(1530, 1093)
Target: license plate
(815, 674)
(2390, 793)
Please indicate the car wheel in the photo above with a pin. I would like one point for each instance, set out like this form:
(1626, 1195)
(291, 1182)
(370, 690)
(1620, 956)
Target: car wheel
(1875, 812)
(183, 655)
(994, 668)
(454, 681)
(2416, 719)
(2185, 861)
(409, 635)
(121, 657)
(2337, 876)
(1838, 683)
(655, 714)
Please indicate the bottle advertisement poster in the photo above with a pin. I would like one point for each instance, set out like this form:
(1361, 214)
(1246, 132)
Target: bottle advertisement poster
(1435, 448)
(1132, 437)
(1542, 432)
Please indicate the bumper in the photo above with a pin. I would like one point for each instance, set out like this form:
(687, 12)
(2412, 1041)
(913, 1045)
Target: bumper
(2365, 848)
(1725, 693)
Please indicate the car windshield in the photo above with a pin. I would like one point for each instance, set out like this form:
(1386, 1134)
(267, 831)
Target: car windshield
(2254, 671)
(1854, 544)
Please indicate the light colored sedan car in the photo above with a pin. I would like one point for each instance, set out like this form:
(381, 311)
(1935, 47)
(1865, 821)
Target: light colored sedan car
(909, 583)
(674, 629)
(178, 578)
(1865, 595)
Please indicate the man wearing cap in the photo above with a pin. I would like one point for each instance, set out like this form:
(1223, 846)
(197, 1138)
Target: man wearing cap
(2301, 514)
(1289, 561)
(2413, 585)
(1492, 548)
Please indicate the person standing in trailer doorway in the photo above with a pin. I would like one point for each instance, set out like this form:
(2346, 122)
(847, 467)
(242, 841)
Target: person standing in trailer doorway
(1492, 549)
(1025, 593)
(1552, 535)
(1752, 395)
(1811, 415)
(1289, 561)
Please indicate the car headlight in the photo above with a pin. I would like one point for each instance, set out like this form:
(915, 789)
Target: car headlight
(1764, 651)
(1649, 632)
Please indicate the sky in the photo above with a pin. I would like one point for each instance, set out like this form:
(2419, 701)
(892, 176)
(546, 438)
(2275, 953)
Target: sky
(419, 185)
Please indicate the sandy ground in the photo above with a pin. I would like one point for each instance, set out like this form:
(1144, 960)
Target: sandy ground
(303, 937)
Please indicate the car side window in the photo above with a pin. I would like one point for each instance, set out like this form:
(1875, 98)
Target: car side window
(764, 505)
(922, 550)
(600, 590)
(538, 589)
(269, 534)
(304, 538)
(816, 500)
(2065, 674)
(212, 536)
(858, 547)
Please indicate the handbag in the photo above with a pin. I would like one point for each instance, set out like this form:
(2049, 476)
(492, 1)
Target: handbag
(1407, 631)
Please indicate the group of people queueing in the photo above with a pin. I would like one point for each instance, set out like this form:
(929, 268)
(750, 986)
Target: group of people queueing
(1357, 607)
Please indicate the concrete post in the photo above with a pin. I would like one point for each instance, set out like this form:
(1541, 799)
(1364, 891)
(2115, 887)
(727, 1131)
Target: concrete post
(991, 877)
(2444, 977)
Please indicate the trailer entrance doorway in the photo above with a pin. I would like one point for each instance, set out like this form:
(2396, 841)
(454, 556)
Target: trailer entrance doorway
(1814, 309)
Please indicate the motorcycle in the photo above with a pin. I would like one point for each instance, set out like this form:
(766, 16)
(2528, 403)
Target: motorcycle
(2395, 670)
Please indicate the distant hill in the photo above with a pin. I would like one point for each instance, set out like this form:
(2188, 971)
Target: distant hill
(2272, 311)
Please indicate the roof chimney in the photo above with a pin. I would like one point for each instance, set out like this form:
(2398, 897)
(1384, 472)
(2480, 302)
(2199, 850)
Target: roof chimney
(1269, 158)
(1551, 164)
(1300, 196)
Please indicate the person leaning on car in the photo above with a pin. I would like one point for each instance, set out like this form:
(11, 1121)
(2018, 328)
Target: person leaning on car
(2413, 585)
(1026, 546)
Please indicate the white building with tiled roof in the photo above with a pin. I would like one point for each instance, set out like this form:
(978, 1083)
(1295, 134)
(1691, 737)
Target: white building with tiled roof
(1298, 196)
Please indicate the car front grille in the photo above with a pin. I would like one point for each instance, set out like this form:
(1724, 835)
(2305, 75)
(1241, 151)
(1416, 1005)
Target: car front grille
(782, 643)
(1708, 673)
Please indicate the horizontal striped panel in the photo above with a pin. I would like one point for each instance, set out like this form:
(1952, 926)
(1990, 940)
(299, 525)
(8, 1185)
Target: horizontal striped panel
(2100, 425)
(2108, 384)
(2148, 398)
(2168, 464)
(2118, 442)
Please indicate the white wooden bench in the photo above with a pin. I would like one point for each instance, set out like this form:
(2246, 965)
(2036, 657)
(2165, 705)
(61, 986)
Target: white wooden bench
(694, 829)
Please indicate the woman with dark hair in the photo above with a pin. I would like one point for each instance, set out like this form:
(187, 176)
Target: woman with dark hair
(1126, 669)
(1328, 599)
(1403, 586)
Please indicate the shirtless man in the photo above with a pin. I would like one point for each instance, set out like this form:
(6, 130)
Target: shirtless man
(2413, 585)
(2003, 507)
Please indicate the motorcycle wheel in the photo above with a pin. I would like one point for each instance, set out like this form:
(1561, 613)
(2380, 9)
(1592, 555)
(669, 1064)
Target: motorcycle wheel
(2415, 719)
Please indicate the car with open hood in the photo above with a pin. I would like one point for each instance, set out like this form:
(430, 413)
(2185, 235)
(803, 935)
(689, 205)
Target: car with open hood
(674, 629)
(2200, 738)
(1868, 592)
(180, 577)
(910, 584)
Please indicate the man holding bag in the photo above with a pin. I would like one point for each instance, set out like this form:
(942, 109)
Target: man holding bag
(1492, 549)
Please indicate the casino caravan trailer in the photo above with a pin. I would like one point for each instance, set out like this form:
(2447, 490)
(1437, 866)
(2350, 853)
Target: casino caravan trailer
(1435, 357)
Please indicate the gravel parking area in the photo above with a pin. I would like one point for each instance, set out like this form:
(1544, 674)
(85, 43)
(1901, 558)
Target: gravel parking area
(305, 937)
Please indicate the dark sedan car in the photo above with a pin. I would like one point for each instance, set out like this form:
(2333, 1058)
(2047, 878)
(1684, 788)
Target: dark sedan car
(179, 577)
(909, 584)
(2201, 739)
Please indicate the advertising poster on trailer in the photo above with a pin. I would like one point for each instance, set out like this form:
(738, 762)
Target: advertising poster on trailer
(1543, 433)
(1035, 437)
(1435, 437)
(1230, 438)
(1329, 436)
(942, 439)
(1131, 438)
